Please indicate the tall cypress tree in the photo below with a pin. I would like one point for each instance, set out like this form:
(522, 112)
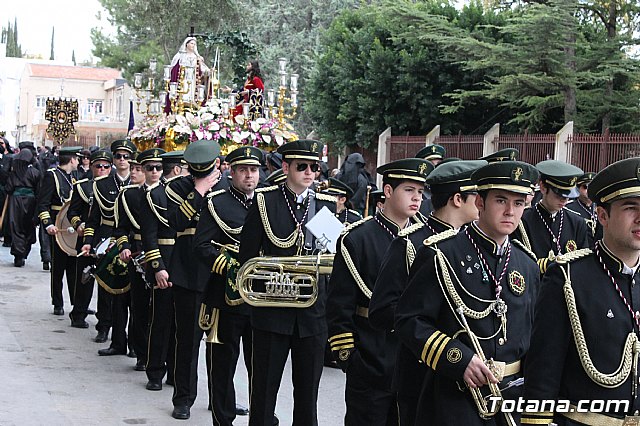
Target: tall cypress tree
(53, 32)
(73, 57)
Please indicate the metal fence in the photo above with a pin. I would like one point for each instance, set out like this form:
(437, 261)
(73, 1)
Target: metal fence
(594, 152)
(532, 148)
(466, 147)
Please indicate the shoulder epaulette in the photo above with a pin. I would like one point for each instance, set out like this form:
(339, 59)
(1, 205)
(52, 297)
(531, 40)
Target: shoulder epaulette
(173, 178)
(357, 213)
(78, 182)
(129, 187)
(326, 197)
(353, 225)
(52, 169)
(525, 249)
(444, 235)
(267, 189)
(573, 255)
(572, 211)
(410, 229)
(214, 193)
(100, 178)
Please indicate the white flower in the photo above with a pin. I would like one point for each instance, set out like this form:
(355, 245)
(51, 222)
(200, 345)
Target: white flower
(255, 126)
(261, 120)
(237, 138)
(223, 133)
(207, 116)
(279, 140)
(214, 126)
(266, 139)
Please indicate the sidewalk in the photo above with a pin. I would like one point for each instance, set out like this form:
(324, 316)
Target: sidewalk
(52, 374)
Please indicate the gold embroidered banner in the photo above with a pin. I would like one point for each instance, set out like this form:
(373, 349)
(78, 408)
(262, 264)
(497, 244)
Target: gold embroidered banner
(61, 114)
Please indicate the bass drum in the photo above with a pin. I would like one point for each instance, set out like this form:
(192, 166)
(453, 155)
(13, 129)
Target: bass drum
(111, 272)
(66, 240)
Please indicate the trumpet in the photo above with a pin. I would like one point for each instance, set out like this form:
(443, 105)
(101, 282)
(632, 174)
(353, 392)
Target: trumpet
(289, 282)
(209, 322)
(479, 399)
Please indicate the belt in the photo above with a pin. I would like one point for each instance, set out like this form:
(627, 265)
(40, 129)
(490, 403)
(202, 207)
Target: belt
(512, 368)
(56, 208)
(23, 192)
(188, 231)
(598, 419)
(107, 222)
(137, 237)
(166, 241)
(363, 312)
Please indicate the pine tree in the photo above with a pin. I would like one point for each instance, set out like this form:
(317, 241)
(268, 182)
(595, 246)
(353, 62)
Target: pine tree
(53, 32)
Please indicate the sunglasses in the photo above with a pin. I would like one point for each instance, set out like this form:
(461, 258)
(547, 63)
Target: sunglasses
(152, 167)
(121, 156)
(301, 167)
(102, 166)
(86, 158)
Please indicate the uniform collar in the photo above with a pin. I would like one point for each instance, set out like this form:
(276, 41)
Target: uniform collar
(388, 222)
(241, 195)
(614, 263)
(437, 224)
(297, 198)
(485, 241)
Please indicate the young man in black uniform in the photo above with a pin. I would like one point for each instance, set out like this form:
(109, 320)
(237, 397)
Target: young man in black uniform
(550, 227)
(129, 241)
(275, 226)
(343, 193)
(186, 197)
(365, 354)
(488, 277)
(433, 154)
(453, 196)
(78, 215)
(158, 240)
(100, 227)
(56, 189)
(217, 241)
(586, 208)
(584, 345)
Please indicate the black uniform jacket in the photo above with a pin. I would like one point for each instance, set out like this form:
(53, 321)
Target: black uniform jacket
(158, 238)
(428, 325)
(588, 213)
(554, 366)
(101, 219)
(368, 352)
(271, 211)
(80, 205)
(128, 218)
(221, 221)
(537, 221)
(56, 189)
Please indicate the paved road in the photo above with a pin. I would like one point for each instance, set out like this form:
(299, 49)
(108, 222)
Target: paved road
(51, 374)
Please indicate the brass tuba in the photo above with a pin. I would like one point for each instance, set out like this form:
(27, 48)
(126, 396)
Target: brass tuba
(283, 282)
(494, 388)
(209, 322)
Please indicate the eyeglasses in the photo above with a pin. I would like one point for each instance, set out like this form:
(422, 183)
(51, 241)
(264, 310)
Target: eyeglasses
(152, 167)
(301, 167)
(86, 158)
(102, 166)
(121, 156)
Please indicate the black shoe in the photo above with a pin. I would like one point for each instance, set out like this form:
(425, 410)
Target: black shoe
(46, 266)
(102, 336)
(132, 354)
(91, 312)
(276, 421)
(58, 310)
(18, 262)
(6, 244)
(153, 385)
(78, 323)
(169, 382)
(111, 351)
(141, 366)
(181, 412)
(241, 410)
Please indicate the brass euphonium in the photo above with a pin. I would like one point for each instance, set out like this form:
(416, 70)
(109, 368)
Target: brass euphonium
(286, 282)
(209, 322)
(494, 388)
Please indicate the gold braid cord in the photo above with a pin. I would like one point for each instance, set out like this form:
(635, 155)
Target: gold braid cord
(354, 272)
(525, 237)
(629, 354)
(278, 242)
(155, 208)
(127, 210)
(101, 201)
(411, 254)
(444, 265)
(226, 228)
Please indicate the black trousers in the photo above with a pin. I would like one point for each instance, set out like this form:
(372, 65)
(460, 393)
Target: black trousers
(270, 352)
(83, 291)
(188, 334)
(120, 310)
(23, 231)
(162, 335)
(222, 361)
(45, 244)
(61, 264)
(139, 309)
(368, 406)
(104, 312)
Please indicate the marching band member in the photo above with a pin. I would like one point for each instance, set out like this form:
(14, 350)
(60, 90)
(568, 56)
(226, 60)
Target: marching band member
(489, 278)
(56, 189)
(343, 193)
(586, 208)
(367, 355)
(275, 226)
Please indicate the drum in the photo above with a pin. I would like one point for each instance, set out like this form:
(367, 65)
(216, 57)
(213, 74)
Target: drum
(66, 237)
(111, 272)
